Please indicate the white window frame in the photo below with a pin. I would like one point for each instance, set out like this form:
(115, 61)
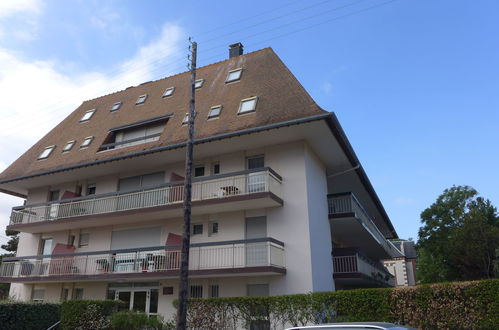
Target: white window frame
(87, 115)
(210, 116)
(198, 83)
(84, 145)
(237, 78)
(185, 121)
(69, 145)
(139, 102)
(46, 152)
(168, 92)
(116, 106)
(243, 101)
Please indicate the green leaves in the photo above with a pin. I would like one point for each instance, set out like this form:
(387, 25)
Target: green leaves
(27, 315)
(459, 237)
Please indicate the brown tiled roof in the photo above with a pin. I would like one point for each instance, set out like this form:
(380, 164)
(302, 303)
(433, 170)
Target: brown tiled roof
(280, 98)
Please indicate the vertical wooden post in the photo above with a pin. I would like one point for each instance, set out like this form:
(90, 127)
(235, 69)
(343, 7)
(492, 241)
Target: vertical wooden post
(186, 239)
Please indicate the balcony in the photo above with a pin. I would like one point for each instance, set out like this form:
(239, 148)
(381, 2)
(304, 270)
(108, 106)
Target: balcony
(352, 269)
(250, 189)
(263, 256)
(353, 226)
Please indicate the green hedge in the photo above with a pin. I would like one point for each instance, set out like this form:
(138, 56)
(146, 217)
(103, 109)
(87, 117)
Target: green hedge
(462, 305)
(88, 314)
(27, 315)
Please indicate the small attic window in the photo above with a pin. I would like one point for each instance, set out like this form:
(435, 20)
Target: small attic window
(169, 91)
(186, 119)
(199, 83)
(214, 112)
(141, 99)
(234, 75)
(69, 145)
(86, 142)
(248, 105)
(88, 114)
(46, 152)
(116, 106)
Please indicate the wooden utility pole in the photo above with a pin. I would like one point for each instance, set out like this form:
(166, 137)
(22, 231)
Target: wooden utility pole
(186, 239)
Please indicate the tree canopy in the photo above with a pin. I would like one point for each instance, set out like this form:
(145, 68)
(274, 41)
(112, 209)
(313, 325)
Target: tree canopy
(459, 238)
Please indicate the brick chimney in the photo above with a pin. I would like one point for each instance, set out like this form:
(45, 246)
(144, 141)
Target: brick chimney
(235, 50)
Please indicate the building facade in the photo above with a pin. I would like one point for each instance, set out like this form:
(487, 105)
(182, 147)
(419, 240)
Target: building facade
(403, 268)
(281, 204)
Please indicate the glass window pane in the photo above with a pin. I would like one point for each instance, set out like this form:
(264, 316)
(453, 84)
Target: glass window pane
(256, 162)
(234, 75)
(45, 153)
(139, 301)
(125, 296)
(168, 91)
(214, 112)
(247, 105)
(153, 303)
(87, 115)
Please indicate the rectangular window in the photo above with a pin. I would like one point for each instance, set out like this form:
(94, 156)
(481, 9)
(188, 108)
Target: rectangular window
(71, 240)
(46, 246)
(64, 294)
(69, 145)
(247, 105)
(255, 162)
(199, 171)
(86, 142)
(214, 112)
(216, 168)
(196, 291)
(199, 83)
(197, 229)
(38, 295)
(46, 152)
(53, 195)
(116, 106)
(214, 291)
(91, 189)
(141, 99)
(213, 228)
(169, 92)
(186, 119)
(141, 181)
(234, 75)
(84, 239)
(88, 114)
(78, 294)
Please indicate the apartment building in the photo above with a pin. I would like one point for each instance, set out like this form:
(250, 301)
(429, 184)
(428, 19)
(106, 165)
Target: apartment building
(281, 203)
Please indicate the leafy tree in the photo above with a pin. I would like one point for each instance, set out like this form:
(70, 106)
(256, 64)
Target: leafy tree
(459, 237)
(11, 245)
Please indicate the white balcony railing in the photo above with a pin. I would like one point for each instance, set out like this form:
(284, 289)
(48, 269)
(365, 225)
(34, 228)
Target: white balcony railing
(223, 255)
(218, 186)
(357, 263)
(348, 203)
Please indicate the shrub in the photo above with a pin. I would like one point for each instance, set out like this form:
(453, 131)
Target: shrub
(88, 314)
(460, 305)
(133, 320)
(27, 315)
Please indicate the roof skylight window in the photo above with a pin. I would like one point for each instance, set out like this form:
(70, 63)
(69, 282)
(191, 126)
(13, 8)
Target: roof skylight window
(199, 83)
(141, 99)
(46, 152)
(116, 106)
(86, 142)
(69, 145)
(247, 105)
(214, 112)
(168, 92)
(186, 119)
(234, 75)
(88, 114)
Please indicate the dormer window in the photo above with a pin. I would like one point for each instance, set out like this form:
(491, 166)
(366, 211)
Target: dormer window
(69, 145)
(46, 152)
(248, 105)
(234, 75)
(88, 114)
(141, 99)
(116, 106)
(86, 142)
(186, 119)
(214, 112)
(199, 83)
(169, 92)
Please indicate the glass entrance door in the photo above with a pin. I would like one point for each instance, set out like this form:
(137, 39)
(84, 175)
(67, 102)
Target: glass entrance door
(143, 300)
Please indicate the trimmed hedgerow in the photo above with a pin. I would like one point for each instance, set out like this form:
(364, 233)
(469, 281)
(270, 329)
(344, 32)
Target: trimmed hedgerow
(461, 305)
(27, 315)
(88, 314)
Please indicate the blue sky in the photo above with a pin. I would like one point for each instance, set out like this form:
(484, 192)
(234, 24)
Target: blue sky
(414, 83)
